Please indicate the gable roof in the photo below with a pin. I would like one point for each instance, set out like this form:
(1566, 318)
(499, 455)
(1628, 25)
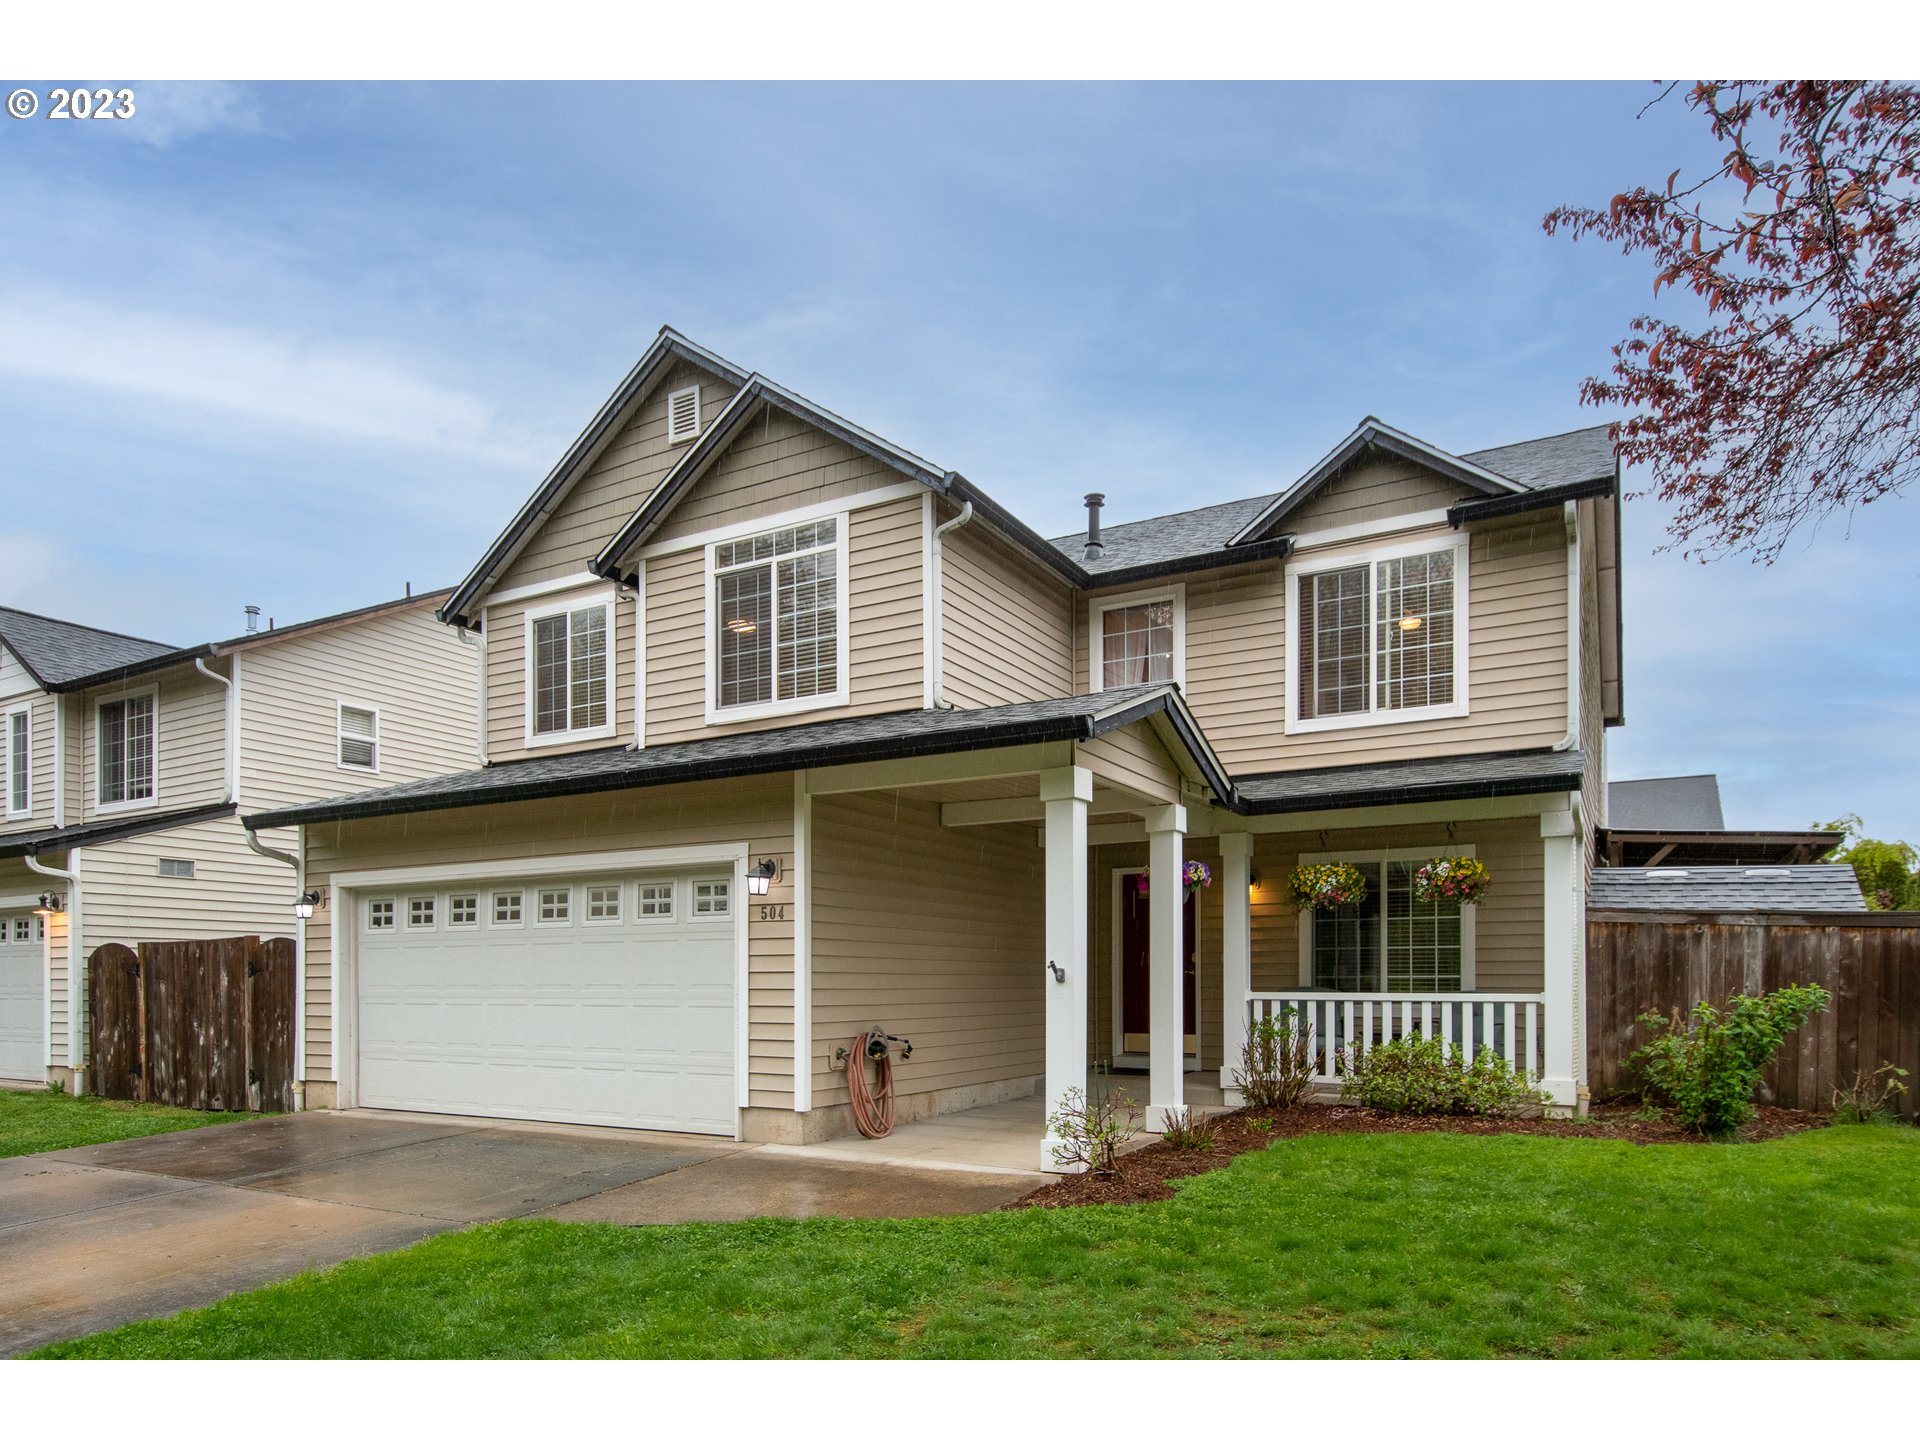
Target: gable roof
(1668, 802)
(56, 653)
(668, 346)
(1727, 888)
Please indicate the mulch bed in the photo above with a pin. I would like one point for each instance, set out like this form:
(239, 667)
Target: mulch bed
(1142, 1174)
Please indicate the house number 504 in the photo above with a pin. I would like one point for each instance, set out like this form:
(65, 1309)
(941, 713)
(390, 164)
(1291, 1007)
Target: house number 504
(773, 912)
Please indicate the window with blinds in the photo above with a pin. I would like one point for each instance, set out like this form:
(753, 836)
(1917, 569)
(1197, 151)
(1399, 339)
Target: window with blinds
(359, 737)
(1379, 637)
(570, 670)
(1389, 941)
(19, 747)
(124, 750)
(777, 616)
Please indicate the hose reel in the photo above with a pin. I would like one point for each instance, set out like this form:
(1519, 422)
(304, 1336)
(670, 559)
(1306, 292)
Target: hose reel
(872, 1103)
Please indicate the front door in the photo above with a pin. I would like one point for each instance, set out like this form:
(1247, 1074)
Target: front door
(1135, 988)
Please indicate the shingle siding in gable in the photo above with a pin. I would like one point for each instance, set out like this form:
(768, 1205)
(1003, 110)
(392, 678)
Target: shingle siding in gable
(1371, 492)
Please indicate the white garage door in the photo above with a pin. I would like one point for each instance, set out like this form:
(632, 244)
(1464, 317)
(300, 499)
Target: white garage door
(23, 997)
(597, 999)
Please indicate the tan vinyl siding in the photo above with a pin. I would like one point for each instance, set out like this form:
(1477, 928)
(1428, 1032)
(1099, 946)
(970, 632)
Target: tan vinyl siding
(39, 815)
(885, 631)
(506, 641)
(1007, 626)
(756, 812)
(937, 934)
(191, 761)
(616, 484)
(57, 936)
(1135, 760)
(125, 898)
(1373, 491)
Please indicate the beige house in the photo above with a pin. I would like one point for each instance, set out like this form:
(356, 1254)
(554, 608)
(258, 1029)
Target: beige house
(735, 644)
(126, 763)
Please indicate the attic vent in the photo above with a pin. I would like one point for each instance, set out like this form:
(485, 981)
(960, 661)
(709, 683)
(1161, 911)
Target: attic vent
(683, 415)
(177, 869)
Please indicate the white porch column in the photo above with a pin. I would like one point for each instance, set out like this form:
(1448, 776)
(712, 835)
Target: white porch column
(1166, 965)
(1236, 953)
(1562, 912)
(1066, 793)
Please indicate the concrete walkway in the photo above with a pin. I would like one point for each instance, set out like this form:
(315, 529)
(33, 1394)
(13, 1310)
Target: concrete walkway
(107, 1234)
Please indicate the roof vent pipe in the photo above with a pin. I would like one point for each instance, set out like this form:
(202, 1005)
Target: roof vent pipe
(253, 619)
(1094, 548)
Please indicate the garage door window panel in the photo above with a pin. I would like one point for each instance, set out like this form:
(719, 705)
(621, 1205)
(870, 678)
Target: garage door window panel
(654, 900)
(712, 899)
(380, 914)
(509, 908)
(420, 912)
(463, 912)
(603, 904)
(554, 906)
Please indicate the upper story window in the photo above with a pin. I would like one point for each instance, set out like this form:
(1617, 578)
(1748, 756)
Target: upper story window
(779, 621)
(19, 750)
(683, 415)
(1137, 639)
(126, 749)
(1379, 637)
(358, 736)
(570, 672)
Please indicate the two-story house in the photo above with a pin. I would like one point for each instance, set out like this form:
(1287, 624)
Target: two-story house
(126, 762)
(790, 733)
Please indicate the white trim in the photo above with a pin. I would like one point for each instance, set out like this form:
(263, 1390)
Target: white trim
(6, 748)
(639, 655)
(480, 692)
(60, 762)
(1096, 659)
(1137, 1059)
(929, 606)
(340, 736)
(1366, 529)
(147, 802)
(300, 974)
(742, 979)
(819, 510)
(717, 714)
(680, 434)
(605, 599)
(233, 731)
(580, 580)
(493, 894)
(1372, 716)
(802, 880)
(1469, 928)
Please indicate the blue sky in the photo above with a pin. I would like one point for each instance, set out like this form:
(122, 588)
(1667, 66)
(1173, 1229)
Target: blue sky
(296, 345)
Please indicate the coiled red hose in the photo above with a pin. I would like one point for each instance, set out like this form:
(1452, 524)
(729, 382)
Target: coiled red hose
(872, 1106)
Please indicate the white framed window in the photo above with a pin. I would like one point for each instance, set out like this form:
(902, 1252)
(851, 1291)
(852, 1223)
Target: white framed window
(507, 907)
(18, 743)
(555, 906)
(463, 912)
(712, 899)
(603, 904)
(420, 910)
(683, 415)
(570, 670)
(655, 900)
(1389, 942)
(176, 869)
(380, 914)
(1137, 639)
(777, 621)
(357, 732)
(1378, 637)
(126, 750)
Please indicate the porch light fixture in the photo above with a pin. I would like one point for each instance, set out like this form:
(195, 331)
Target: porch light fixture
(303, 907)
(50, 904)
(761, 876)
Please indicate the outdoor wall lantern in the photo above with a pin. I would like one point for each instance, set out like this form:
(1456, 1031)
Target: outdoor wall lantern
(761, 877)
(50, 904)
(1253, 880)
(303, 907)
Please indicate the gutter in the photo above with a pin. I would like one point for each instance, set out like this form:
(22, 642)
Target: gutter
(1467, 511)
(938, 601)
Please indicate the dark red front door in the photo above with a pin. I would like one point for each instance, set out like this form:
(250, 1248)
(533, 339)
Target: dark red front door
(1135, 990)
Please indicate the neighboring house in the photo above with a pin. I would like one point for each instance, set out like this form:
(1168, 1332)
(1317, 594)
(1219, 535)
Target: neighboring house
(1766, 889)
(1677, 820)
(126, 762)
(734, 643)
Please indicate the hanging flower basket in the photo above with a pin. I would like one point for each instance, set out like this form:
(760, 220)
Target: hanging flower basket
(1459, 878)
(1193, 875)
(1325, 887)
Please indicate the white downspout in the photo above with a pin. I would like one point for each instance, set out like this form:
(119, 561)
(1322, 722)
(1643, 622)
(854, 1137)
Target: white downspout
(1571, 740)
(299, 864)
(76, 973)
(939, 618)
(233, 760)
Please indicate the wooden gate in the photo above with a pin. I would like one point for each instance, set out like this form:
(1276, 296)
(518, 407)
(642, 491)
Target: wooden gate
(202, 1024)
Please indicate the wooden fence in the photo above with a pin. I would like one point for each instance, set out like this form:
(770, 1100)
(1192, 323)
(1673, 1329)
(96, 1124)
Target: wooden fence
(1869, 962)
(205, 1024)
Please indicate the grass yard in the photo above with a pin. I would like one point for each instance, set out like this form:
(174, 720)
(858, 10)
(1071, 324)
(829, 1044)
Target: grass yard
(36, 1120)
(1351, 1245)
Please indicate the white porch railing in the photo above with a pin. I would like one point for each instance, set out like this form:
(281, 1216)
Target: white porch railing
(1511, 1025)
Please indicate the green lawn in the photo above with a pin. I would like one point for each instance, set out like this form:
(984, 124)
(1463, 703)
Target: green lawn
(36, 1120)
(1327, 1246)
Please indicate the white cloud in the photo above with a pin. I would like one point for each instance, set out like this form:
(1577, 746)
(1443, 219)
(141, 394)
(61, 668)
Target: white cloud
(352, 395)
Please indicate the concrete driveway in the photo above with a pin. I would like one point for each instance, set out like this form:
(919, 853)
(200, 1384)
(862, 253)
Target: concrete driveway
(100, 1236)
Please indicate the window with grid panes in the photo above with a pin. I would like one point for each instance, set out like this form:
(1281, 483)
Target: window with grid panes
(777, 618)
(570, 670)
(1136, 644)
(1378, 636)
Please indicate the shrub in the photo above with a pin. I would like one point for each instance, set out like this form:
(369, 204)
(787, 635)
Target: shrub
(1260, 1124)
(1873, 1096)
(1707, 1065)
(1276, 1062)
(1414, 1076)
(1185, 1130)
(1089, 1133)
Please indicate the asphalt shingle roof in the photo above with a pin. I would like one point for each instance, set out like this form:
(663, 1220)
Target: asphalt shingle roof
(1342, 787)
(58, 652)
(1668, 802)
(99, 832)
(1728, 888)
(1552, 459)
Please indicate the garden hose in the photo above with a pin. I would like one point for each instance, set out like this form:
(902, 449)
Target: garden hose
(872, 1106)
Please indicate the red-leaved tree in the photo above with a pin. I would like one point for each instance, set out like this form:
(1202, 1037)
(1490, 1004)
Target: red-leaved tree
(1800, 395)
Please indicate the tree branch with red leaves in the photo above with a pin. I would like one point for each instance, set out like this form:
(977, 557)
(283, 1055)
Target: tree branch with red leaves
(1800, 396)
